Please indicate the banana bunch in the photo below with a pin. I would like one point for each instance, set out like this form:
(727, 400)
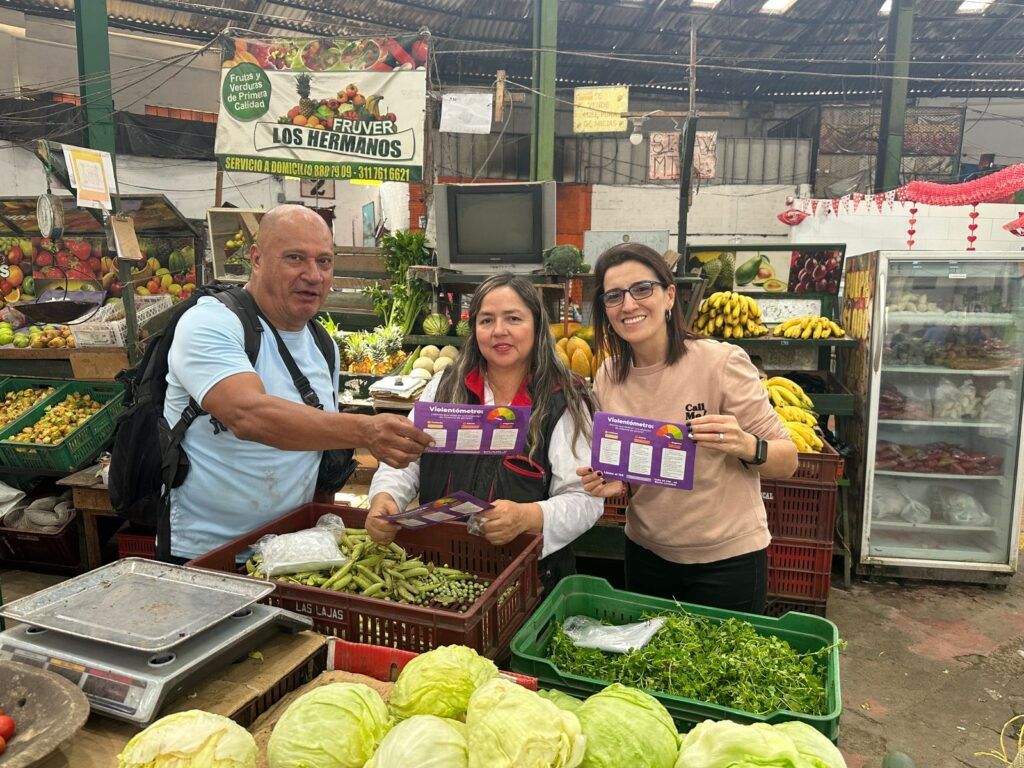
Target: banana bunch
(808, 327)
(797, 414)
(784, 392)
(804, 437)
(729, 315)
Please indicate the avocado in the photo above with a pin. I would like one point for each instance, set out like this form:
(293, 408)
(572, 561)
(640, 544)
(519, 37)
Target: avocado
(764, 273)
(773, 286)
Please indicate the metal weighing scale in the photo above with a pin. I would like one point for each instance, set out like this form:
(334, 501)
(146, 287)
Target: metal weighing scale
(136, 633)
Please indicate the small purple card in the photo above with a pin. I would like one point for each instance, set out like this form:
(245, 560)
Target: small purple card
(643, 451)
(481, 430)
(456, 507)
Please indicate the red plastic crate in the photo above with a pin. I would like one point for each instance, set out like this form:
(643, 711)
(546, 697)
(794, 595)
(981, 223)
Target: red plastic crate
(487, 627)
(824, 467)
(800, 510)
(799, 569)
(615, 508)
(136, 543)
(385, 663)
(780, 606)
(48, 550)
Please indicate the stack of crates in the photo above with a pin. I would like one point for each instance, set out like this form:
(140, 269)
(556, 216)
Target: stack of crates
(801, 518)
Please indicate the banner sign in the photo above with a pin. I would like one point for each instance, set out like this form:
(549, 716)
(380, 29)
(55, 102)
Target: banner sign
(324, 108)
(598, 109)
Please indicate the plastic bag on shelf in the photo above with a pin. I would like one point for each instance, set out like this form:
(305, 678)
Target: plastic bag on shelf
(312, 549)
(913, 511)
(998, 403)
(958, 507)
(887, 502)
(591, 633)
(947, 402)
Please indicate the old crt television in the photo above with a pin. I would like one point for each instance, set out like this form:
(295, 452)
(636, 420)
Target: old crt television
(490, 228)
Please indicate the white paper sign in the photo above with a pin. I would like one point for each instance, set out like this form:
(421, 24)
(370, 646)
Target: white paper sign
(466, 112)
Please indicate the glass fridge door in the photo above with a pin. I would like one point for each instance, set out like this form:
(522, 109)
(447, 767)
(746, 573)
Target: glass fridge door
(944, 452)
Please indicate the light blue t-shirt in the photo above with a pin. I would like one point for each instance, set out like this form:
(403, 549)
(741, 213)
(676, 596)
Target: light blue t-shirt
(233, 485)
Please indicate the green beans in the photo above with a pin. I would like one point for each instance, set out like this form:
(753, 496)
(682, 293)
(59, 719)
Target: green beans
(389, 573)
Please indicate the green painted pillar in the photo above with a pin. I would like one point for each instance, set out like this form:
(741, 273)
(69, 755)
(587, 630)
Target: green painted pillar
(894, 95)
(542, 134)
(94, 73)
(95, 89)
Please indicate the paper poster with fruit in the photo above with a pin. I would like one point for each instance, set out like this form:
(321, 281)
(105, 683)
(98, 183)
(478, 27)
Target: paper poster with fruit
(324, 108)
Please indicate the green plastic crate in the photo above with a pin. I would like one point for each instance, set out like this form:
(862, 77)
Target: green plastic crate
(15, 383)
(78, 447)
(595, 598)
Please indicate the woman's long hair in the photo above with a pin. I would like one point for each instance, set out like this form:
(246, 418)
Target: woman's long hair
(547, 371)
(604, 335)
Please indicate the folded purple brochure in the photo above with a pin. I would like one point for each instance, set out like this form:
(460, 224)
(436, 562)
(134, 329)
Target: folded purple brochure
(480, 430)
(456, 507)
(643, 451)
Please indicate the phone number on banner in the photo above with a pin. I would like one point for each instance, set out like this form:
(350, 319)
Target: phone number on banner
(310, 170)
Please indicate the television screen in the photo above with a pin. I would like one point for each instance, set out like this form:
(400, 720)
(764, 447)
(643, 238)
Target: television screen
(498, 224)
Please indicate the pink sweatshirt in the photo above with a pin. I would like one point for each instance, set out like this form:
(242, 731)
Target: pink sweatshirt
(723, 516)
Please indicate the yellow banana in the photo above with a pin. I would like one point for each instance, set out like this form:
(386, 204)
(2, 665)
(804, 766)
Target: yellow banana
(737, 332)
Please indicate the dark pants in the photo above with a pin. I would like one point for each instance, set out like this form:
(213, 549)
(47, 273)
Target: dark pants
(556, 567)
(736, 584)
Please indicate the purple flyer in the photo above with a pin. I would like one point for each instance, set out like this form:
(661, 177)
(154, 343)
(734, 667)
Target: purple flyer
(643, 451)
(456, 507)
(480, 430)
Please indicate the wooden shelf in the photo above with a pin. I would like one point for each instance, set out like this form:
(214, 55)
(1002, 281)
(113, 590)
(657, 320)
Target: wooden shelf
(439, 341)
(773, 341)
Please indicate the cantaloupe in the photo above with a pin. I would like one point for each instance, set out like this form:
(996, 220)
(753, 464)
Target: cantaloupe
(430, 351)
(449, 351)
(423, 362)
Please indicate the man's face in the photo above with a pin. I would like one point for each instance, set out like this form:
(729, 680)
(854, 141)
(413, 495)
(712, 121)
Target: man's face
(294, 268)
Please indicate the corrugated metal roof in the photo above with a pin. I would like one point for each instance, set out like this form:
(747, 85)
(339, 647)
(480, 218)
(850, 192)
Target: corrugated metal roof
(817, 46)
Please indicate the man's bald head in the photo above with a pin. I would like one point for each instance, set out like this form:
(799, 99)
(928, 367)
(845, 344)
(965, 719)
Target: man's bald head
(284, 220)
(292, 265)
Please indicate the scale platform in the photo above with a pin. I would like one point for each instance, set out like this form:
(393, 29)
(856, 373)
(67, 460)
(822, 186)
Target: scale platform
(134, 634)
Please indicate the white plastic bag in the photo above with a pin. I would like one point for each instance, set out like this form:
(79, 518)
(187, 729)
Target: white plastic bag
(888, 502)
(958, 507)
(313, 549)
(590, 633)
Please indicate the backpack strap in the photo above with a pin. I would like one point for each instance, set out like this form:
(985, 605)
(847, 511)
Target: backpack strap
(241, 302)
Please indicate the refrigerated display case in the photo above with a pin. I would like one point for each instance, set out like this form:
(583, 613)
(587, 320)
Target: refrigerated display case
(941, 361)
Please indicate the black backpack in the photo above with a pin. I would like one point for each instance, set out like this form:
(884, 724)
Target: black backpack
(147, 459)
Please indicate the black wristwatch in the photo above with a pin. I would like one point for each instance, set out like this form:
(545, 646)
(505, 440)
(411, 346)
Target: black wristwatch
(760, 453)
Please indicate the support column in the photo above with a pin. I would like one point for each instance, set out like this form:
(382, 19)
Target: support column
(542, 134)
(894, 95)
(96, 91)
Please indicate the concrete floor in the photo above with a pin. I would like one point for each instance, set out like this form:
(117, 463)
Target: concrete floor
(931, 670)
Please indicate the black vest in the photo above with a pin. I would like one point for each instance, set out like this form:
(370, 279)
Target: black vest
(522, 479)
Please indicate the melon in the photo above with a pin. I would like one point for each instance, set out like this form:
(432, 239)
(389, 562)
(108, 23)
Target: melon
(430, 351)
(420, 373)
(424, 363)
(441, 363)
(462, 329)
(449, 351)
(436, 325)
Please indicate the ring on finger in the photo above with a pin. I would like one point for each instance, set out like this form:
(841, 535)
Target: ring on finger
(721, 437)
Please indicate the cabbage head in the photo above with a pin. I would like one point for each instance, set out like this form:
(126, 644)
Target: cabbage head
(625, 726)
(511, 727)
(440, 682)
(561, 700)
(335, 726)
(725, 744)
(816, 751)
(423, 741)
(192, 739)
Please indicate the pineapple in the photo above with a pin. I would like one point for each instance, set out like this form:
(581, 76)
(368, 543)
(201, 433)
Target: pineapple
(391, 336)
(355, 352)
(378, 352)
(307, 106)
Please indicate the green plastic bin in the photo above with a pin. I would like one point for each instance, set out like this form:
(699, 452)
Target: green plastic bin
(78, 447)
(15, 383)
(596, 599)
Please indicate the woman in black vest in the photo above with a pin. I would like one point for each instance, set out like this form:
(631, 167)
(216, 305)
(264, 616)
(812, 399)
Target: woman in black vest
(509, 359)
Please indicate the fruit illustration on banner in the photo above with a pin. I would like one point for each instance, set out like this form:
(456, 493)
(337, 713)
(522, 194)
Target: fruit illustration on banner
(815, 271)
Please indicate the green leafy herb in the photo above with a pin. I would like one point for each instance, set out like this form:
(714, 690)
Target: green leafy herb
(726, 663)
(407, 297)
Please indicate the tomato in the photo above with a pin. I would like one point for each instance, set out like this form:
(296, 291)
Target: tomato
(6, 727)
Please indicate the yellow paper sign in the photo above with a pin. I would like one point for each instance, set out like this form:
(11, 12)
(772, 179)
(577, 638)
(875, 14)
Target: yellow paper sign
(597, 110)
(92, 174)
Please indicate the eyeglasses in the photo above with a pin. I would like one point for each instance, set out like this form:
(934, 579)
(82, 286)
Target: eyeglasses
(638, 291)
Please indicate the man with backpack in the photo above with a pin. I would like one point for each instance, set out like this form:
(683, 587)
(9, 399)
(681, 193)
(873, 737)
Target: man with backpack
(251, 385)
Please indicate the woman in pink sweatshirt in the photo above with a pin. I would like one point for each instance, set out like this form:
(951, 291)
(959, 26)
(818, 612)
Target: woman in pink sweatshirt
(707, 545)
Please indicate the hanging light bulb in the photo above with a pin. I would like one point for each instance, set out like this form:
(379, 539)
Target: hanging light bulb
(636, 138)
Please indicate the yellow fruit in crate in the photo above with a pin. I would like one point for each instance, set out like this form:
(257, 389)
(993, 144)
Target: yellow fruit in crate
(166, 281)
(142, 290)
(564, 357)
(562, 343)
(580, 363)
(575, 345)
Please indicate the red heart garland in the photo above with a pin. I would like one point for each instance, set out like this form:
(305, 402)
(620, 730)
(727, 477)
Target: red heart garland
(973, 214)
(910, 243)
(913, 222)
(971, 238)
(911, 232)
(972, 227)
(913, 211)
